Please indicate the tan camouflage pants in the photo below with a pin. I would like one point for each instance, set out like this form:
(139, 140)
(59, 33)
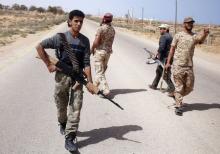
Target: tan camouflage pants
(184, 83)
(101, 64)
(64, 95)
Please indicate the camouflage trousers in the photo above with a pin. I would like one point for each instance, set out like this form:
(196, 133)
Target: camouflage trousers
(101, 64)
(67, 98)
(184, 83)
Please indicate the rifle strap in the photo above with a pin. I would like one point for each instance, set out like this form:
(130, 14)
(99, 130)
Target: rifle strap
(70, 52)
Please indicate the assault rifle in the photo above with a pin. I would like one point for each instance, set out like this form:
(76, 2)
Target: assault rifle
(80, 79)
(152, 59)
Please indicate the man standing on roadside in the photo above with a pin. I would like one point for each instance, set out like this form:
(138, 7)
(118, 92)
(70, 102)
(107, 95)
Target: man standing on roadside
(102, 49)
(163, 51)
(65, 96)
(182, 51)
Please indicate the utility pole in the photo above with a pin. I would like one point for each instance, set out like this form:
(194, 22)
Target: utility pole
(175, 25)
(132, 12)
(142, 19)
(128, 18)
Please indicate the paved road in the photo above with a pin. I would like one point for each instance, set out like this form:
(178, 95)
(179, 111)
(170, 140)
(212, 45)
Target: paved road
(147, 125)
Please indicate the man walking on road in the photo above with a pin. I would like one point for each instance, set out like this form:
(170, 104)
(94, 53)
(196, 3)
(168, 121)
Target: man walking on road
(102, 49)
(163, 51)
(65, 96)
(182, 51)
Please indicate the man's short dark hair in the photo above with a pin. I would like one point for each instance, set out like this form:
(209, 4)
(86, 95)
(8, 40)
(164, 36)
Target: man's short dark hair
(77, 13)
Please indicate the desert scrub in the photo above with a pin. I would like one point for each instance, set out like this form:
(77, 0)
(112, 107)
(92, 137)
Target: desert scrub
(22, 23)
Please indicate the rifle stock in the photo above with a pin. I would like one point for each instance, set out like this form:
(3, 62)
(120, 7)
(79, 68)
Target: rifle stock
(151, 54)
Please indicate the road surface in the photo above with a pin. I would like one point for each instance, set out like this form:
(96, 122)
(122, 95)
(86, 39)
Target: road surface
(147, 125)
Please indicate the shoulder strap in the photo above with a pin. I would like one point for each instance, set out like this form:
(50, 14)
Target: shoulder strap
(71, 54)
(62, 35)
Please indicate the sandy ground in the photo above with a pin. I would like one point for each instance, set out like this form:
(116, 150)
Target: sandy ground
(22, 46)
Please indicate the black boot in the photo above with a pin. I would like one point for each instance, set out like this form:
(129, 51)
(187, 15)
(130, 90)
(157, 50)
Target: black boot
(70, 142)
(152, 87)
(179, 111)
(62, 128)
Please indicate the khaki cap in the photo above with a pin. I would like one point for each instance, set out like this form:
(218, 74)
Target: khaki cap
(188, 19)
(165, 26)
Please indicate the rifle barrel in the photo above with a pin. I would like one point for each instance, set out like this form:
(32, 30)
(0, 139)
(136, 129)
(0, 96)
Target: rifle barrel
(111, 100)
(68, 70)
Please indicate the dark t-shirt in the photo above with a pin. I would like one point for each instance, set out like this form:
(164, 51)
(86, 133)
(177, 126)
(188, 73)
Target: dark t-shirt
(164, 45)
(80, 45)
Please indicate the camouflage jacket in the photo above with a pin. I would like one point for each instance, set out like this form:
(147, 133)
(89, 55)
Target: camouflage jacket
(184, 44)
(107, 34)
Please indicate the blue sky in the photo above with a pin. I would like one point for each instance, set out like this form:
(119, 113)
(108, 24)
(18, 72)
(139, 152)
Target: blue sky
(203, 11)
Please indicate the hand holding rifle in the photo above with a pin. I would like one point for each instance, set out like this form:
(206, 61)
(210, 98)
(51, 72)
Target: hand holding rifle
(57, 65)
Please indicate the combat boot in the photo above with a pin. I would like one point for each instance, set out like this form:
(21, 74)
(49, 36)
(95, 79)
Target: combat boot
(179, 111)
(70, 142)
(62, 128)
(152, 87)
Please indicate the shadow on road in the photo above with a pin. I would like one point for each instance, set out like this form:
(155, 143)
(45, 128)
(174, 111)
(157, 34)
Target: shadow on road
(101, 134)
(201, 107)
(115, 92)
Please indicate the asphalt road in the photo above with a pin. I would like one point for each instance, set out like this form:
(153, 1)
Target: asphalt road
(148, 124)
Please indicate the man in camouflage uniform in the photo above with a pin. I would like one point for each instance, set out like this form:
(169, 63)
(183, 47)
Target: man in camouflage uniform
(64, 93)
(163, 51)
(102, 49)
(182, 51)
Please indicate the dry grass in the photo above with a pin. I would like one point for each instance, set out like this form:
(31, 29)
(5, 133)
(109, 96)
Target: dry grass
(150, 30)
(14, 24)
